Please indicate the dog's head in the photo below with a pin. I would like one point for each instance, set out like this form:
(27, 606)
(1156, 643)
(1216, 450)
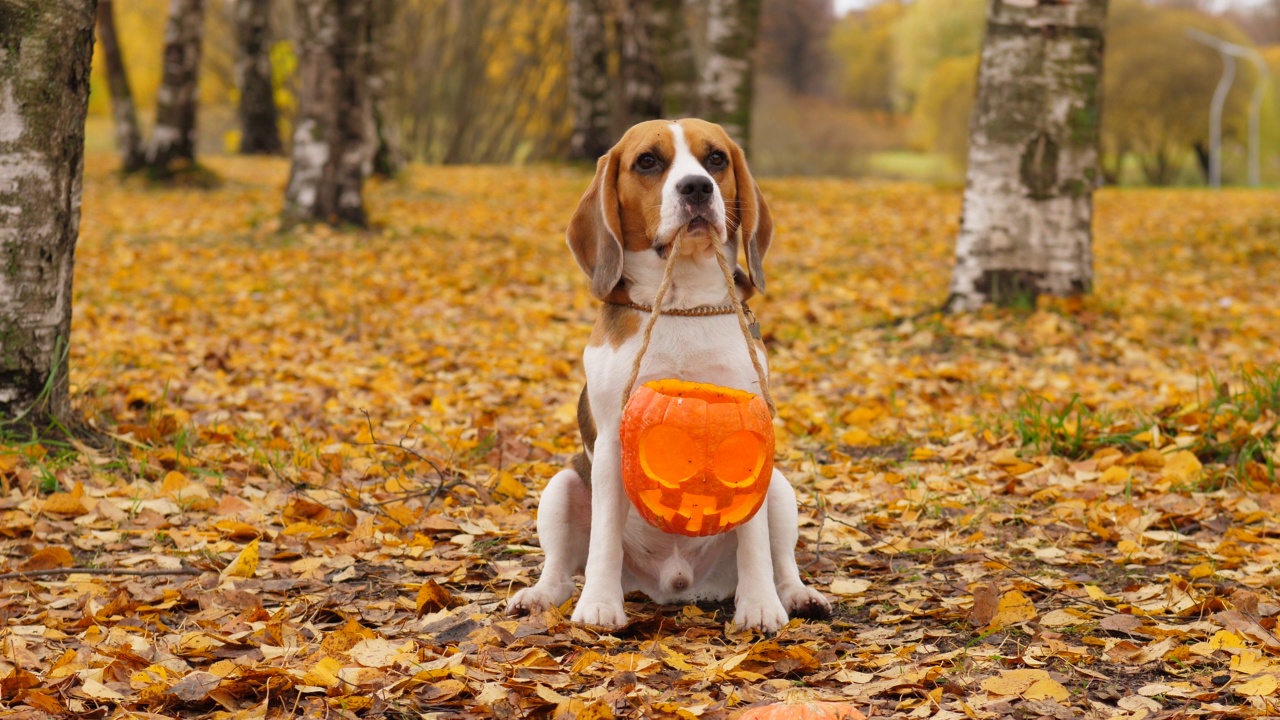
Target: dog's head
(663, 177)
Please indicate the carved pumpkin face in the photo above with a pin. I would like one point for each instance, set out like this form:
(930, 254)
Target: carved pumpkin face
(696, 458)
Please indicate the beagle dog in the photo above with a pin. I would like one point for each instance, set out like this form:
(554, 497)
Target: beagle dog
(661, 178)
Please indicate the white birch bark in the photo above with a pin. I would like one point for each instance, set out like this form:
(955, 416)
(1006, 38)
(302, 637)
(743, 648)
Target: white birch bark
(1033, 155)
(45, 51)
(725, 83)
(173, 139)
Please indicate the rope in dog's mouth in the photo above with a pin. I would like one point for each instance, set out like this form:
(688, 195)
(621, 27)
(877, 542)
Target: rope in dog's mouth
(737, 309)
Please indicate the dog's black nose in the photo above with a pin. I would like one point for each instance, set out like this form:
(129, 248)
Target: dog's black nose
(696, 189)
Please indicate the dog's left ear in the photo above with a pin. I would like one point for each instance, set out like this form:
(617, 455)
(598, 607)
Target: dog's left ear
(753, 216)
(595, 230)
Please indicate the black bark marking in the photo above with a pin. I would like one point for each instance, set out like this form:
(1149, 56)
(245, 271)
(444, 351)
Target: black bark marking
(1039, 166)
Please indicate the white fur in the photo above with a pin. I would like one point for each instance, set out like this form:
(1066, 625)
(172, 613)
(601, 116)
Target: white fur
(756, 561)
(675, 212)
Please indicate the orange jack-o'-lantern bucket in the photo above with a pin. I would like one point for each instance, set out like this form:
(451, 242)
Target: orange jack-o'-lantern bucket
(696, 458)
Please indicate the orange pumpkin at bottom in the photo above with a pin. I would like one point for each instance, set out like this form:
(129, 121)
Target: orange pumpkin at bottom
(696, 457)
(804, 711)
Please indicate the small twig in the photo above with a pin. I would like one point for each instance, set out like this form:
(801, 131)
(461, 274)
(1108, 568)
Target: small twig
(400, 446)
(822, 522)
(97, 571)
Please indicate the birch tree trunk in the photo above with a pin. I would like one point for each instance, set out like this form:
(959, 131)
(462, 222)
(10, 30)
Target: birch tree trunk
(259, 120)
(333, 143)
(123, 111)
(641, 78)
(45, 52)
(173, 140)
(1033, 155)
(725, 85)
(388, 157)
(677, 64)
(589, 79)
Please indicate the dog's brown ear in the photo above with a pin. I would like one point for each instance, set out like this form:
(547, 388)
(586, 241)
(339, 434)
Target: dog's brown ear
(595, 230)
(753, 218)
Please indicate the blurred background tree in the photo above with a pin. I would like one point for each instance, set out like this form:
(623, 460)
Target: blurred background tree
(335, 139)
(881, 88)
(259, 118)
(1158, 82)
(172, 146)
(123, 110)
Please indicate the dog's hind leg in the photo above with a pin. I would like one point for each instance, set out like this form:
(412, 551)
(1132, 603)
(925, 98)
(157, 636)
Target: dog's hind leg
(564, 529)
(799, 600)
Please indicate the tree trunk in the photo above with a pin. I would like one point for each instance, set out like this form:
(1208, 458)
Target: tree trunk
(173, 140)
(123, 111)
(45, 53)
(388, 158)
(259, 120)
(677, 65)
(641, 78)
(727, 76)
(589, 79)
(332, 146)
(1033, 155)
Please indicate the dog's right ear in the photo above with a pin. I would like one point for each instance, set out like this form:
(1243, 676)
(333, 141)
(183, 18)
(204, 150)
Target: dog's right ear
(595, 230)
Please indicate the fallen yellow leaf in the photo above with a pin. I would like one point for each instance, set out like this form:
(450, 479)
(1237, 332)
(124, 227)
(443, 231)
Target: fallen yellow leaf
(1014, 608)
(245, 564)
(1260, 686)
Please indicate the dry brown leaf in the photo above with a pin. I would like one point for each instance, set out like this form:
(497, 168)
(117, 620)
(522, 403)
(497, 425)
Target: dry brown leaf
(49, 558)
(986, 601)
(433, 597)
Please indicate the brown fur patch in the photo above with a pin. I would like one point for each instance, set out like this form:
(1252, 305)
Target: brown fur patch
(586, 423)
(581, 464)
(587, 429)
(640, 194)
(614, 325)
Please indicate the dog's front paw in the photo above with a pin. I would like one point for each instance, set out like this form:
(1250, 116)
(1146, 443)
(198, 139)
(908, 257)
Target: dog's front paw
(539, 598)
(603, 614)
(760, 613)
(806, 602)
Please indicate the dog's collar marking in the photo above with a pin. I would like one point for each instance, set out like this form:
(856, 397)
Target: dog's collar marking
(701, 311)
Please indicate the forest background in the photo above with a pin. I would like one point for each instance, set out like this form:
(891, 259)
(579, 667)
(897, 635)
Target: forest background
(322, 445)
(883, 91)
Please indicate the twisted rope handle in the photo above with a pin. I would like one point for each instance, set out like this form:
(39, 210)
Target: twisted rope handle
(737, 305)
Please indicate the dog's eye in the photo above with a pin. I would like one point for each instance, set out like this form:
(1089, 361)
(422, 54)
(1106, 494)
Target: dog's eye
(717, 160)
(647, 162)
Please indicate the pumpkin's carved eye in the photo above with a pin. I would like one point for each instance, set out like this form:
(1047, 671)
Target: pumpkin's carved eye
(737, 460)
(668, 455)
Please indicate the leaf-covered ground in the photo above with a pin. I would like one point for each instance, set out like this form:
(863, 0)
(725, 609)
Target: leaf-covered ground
(1063, 511)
